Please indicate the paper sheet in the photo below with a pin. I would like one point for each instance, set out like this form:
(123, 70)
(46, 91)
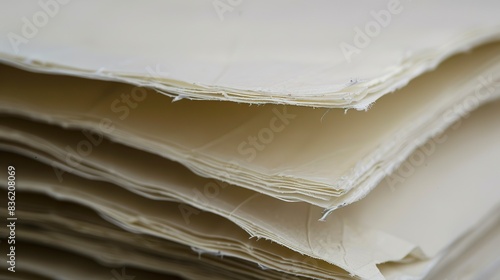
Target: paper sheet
(339, 54)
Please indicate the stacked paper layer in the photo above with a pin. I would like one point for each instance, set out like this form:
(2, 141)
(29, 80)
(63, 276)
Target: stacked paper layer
(127, 164)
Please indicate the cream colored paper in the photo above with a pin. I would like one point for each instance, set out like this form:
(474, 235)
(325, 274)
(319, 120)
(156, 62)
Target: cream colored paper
(324, 54)
(376, 218)
(326, 158)
(77, 229)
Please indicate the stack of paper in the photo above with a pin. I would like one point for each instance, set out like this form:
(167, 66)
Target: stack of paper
(120, 154)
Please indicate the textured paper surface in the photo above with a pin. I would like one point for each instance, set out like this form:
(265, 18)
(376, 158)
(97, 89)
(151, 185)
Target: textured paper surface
(387, 223)
(326, 158)
(325, 54)
(75, 228)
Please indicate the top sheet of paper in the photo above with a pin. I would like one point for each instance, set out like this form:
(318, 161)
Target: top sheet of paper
(323, 53)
